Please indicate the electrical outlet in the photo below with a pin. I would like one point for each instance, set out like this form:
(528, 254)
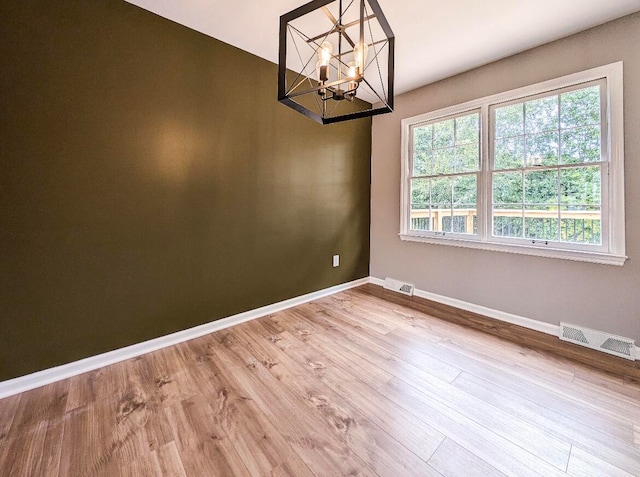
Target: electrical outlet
(336, 261)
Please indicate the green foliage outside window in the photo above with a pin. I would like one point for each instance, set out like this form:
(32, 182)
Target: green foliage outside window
(550, 133)
(546, 178)
(446, 158)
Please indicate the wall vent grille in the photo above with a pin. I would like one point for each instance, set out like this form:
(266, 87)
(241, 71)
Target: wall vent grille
(573, 334)
(619, 346)
(598, 340)
(399, 286)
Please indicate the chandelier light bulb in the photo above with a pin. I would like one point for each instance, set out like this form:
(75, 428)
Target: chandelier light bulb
(324, 53)
(352, 70)
(360, 52)
(352, 74)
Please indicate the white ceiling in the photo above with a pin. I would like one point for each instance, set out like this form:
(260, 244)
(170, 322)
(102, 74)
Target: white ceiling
(434, 38)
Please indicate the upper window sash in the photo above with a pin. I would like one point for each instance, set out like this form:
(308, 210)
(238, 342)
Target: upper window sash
(460, 139)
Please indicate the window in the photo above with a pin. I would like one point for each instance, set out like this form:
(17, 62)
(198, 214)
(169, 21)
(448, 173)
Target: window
(444, 181)
(535, 171)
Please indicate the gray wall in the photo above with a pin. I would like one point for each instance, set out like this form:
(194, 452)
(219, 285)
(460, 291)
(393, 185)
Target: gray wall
(598, 296)
(151, 182)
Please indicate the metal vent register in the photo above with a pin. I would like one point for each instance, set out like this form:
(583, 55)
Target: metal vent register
(399, 286)
(598, 340)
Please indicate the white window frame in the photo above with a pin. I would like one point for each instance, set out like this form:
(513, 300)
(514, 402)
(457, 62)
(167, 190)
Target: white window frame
(612, 250)
(477, 173)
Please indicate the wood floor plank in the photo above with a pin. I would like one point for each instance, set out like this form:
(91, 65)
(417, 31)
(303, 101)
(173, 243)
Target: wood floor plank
(403, 359)
(327, 367)
(51, 450)
(368, 320)
(537, 441)
(453, 460)
(615, 414)
(540, 443)
(545, 393)
(298, 326)
(499, 452)
(310, 438)
(24, 453)
(522, 357)
(263, 448)
(631, 382)
(84, 438)
(170, 462)
(527, 358)
(575, 432)
(547, 447)
(604, 383)
(385, 454)
(42, 404)
(596, 398)
(144, 466)
(97, 441)
(83, 389)
(109, 433)
(583, 464)
(9, 407)
(523, 360)
(355, 302)
(35, 429)
(164, 377)
(514, 333)
(206, 448)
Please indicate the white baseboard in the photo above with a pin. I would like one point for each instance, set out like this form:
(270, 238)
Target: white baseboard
(483, 310)
(489, 312)
(48, 376)
(51, 375)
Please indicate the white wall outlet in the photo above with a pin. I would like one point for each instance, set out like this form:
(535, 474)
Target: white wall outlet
(336, 260)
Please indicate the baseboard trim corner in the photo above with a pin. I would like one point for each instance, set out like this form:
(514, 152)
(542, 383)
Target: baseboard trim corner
(483, 310)
(65, 371)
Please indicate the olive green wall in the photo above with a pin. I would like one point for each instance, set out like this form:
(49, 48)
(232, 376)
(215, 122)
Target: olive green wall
(150, 182)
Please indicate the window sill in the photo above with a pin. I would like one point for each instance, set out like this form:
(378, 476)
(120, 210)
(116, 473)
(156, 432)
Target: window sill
(579, 256)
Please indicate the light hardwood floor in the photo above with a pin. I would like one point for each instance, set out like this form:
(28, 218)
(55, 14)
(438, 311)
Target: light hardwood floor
(359, 383)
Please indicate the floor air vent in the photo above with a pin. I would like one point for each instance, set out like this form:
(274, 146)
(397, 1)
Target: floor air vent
(605, 342)
(398, 286)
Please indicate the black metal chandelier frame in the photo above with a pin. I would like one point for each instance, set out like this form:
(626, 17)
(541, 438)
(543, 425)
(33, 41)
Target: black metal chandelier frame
(343, 88)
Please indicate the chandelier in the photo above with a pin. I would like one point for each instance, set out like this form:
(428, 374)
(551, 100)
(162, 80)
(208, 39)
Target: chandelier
(336, 60)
